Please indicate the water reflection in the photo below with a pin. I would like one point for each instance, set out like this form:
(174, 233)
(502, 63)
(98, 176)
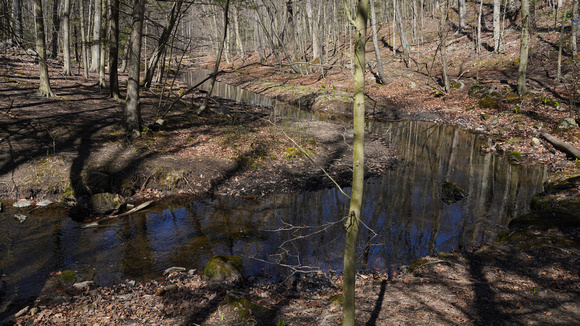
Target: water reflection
(403, 208)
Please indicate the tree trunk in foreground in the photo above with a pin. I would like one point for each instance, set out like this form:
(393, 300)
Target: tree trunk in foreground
(352, 224)
(132, 109)
(44, 88)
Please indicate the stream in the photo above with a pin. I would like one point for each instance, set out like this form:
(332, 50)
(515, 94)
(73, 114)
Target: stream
(403, 208)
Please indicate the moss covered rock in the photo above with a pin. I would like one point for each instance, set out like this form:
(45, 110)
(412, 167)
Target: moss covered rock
(515, 156)
(220, 268)
(105, 203)
(476, 90)
(566, 124)
(488, 102)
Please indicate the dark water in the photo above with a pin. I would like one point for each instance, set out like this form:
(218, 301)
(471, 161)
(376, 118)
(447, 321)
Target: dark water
(403, 208)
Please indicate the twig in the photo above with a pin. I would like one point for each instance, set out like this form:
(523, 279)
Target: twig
(310, 158)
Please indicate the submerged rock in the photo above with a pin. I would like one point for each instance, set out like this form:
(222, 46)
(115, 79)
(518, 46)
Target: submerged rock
(451, 193)
(20, 217)
(105, 203)
(220, 268)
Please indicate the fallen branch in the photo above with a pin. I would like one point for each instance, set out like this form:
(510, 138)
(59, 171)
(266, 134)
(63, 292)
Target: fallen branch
(131, 211)
(562, 146)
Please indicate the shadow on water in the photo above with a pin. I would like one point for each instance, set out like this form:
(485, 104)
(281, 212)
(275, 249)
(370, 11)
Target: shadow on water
(403, 208)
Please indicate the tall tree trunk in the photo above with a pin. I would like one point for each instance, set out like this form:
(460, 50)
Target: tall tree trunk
(96, 41)
(132, 109)
(160, 48)
(17, 21)
(114, 51)
(239, 42)
(478, 49)
(443, 45)
(313, 31)
(217, 60)
(84, 50)
(532, 15)
(401, 29)
(55, 30)
(44, 88)
(560, 41)
(104, 27)
(352, 224)
(66, 38)
(496, 25)
(461, 9)
(376, 43)
(574, 36)
(524, 47)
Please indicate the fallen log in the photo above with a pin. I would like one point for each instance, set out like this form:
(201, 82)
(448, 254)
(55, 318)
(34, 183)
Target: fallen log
(562, 146)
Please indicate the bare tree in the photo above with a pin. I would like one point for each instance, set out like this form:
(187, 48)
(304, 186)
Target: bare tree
(132, 109)
(114, 51)
(496, 25)
(574, 37)
(96, 41)
(461, 9)
(443, 44)
(524, 47)
(162, 42)
(217, 60)
(66, 38)
(44, 88)
(352, 224)
(376, 42)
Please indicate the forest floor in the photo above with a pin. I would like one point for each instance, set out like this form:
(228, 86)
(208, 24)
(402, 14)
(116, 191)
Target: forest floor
(530, 276)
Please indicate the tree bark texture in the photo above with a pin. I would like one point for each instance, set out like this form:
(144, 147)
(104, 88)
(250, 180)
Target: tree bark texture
(132, 109)
(55, 30)
(524, 48)
(114, 51)
(102, 56)
(84, 50)
(574, 38)
(496, 25)
(352, 224)
(17, 21)
(66, 38)
(376, 43)
(96, 41)
(44, 88)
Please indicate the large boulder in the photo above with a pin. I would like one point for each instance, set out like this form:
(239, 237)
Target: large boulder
(220, 268)
(105, 203)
